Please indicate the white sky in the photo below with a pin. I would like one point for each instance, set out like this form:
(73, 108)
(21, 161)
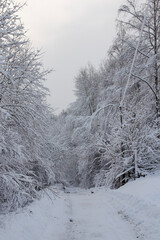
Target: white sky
(71, 33)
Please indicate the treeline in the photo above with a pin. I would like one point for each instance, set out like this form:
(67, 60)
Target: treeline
(26, 148)
(100, 134)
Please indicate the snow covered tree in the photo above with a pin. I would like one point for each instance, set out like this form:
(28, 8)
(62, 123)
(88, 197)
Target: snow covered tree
(87, 84)
(147, 68)
(24, 115)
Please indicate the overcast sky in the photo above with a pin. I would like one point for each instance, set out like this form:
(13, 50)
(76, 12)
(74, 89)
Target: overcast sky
(71, 33)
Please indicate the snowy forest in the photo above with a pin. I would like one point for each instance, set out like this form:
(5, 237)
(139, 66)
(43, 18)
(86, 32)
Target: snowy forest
(111, 127)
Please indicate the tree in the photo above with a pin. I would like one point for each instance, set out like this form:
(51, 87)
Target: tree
(24, 115)
(86, 84)
(147, 68)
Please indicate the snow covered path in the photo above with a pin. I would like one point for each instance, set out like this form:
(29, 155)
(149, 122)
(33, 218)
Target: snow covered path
(78, 215)
(93, 217)
(129, 213)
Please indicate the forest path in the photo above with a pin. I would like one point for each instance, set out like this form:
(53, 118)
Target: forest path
(91, 216)
(129, 213)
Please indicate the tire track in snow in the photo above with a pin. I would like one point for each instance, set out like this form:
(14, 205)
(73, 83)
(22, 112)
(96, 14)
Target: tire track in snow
(70, 224)
(143, 216)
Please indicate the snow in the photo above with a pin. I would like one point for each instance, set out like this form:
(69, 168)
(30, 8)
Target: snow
(95, 218)
(129, 213)
(139, 203)
(146, 189)
(44, 219)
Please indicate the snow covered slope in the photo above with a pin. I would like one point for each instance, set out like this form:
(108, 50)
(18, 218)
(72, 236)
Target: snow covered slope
(129, 213)
(139, 203)
(146, 189)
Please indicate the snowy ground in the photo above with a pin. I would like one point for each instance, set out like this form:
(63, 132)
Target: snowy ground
(132, 212)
